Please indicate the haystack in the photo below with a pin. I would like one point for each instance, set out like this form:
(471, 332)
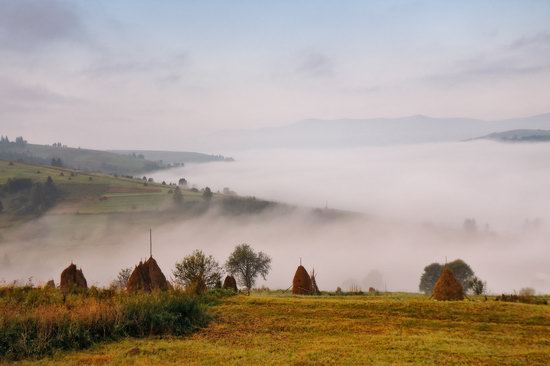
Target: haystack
(301, 284)
(147, 277)
(73, 279)
(314, 287)
(50, 284)
(230, 283)
(447, 288)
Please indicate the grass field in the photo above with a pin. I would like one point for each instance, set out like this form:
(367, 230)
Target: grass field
(379, 330)
(95, 193)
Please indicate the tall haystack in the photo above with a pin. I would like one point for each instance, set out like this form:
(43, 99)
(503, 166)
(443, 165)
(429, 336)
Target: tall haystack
(72, 279)
(447, 288)
(314, 287)
(147, 277)
(301, 284)
(230, 283)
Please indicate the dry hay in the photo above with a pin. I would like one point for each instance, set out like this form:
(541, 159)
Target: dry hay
(314, 287)
(50, 284)
(230, 283)
(447, 288)
(72, 279)
(301, 284)
(147, 277)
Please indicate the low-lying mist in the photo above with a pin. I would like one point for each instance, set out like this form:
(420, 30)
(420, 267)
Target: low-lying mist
(414, 199)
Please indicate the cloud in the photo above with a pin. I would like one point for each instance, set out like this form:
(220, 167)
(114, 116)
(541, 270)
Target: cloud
(538, 40)
(19, 97)
(315, 64)
(31, 24)
(112, 65)
(523, 57)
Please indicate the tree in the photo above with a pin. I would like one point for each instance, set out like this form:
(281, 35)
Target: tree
(477, 286)
(1, 207)
(245, 264)
(178, 196)
(207, 194)
(461, 270)
(122, 278)
(182, 182)
(197, 269)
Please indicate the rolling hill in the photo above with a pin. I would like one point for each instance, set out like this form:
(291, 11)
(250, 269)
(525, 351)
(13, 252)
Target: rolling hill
(75, 158)
(518, 136)
(173, 157)
(316, 133)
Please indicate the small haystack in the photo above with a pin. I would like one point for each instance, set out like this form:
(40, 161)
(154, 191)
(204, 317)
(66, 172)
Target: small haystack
(314, 286)
(230, 283)
(72, 279)
(447, 288)
(147, 277)
(50, 284)
(301, 284)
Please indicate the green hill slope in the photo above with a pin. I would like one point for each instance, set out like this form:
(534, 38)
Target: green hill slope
(75, 158)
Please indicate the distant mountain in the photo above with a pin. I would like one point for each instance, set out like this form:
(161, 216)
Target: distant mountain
(75, 158)
(173, 157)
(316, 133)
(518, 136)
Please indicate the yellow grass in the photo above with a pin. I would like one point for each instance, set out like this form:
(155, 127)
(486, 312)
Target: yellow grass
(378, 330)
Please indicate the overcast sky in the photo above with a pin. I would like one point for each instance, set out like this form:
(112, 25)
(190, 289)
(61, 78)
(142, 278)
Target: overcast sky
(155, 74)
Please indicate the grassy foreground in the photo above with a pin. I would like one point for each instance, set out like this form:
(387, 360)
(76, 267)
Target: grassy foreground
(393, 329)
(39, 321)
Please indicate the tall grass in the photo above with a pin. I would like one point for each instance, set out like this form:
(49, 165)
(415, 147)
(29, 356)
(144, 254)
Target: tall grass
(36, 322)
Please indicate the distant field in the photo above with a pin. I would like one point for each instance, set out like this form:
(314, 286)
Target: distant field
(77, 158)
(378, 330)
(92, 193)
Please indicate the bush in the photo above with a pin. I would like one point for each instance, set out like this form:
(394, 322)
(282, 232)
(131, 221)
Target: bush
(36, 322)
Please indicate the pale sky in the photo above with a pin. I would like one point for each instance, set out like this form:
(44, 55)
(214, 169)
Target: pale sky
(156, 74)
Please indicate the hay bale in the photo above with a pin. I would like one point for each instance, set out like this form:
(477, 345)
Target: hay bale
(301, 284)
(50, 284)
(72, 279)
(447, 288)
(314, 287)
(158, 280)
(147, 277)
(230, 283)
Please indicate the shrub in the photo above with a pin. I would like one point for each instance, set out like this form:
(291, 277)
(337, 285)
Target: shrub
(36, 322)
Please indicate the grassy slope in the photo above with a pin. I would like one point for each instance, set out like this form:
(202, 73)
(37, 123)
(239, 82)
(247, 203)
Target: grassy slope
(393, 329)
(84, 159)
(102, 194)
(173, 156)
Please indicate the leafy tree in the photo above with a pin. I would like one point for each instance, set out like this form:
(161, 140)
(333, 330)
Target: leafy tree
(57, 162)
(43, 196)
(196, 269)
(122, 278)
(461, 270)
(182, 182)
(477, 286)
(178, 196)
(207, 194)
(245, 264)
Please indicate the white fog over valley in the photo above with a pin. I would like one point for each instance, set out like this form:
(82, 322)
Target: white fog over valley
(409, 203)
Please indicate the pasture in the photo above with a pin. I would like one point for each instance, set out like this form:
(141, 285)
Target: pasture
(389, 329)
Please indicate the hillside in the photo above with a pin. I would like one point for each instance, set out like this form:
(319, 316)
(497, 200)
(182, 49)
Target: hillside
(344, 133)
(518, 136)
(75, 158)
(388, 329)
(173, 157)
